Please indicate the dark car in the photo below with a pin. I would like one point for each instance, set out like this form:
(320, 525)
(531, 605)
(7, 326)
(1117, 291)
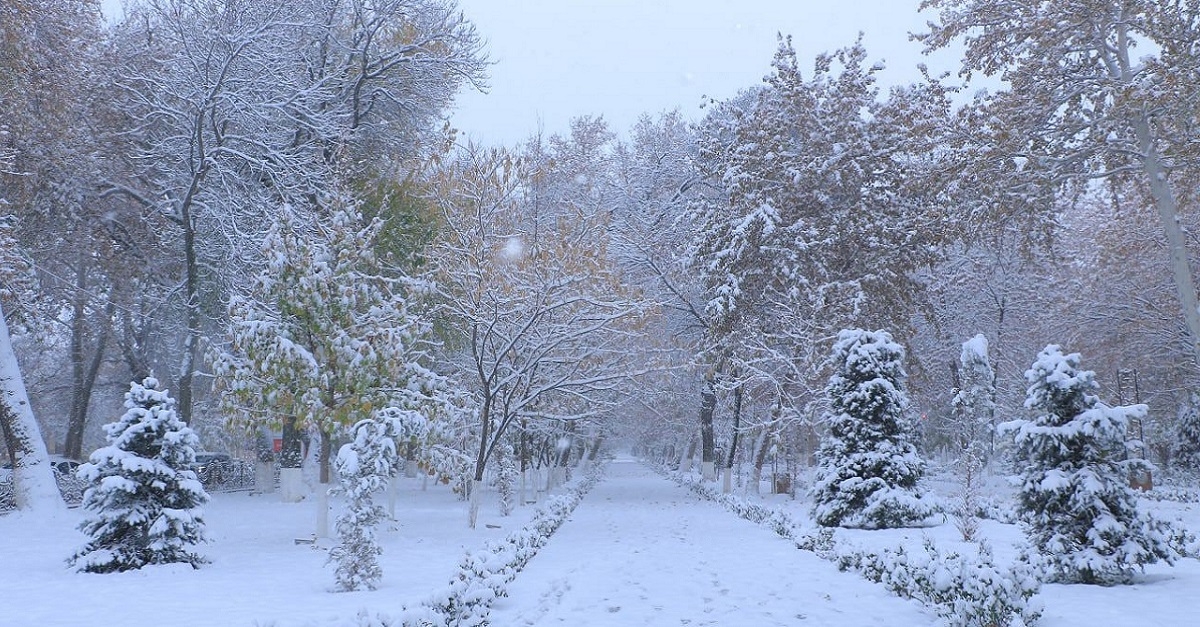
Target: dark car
(66, 467)
(208, 465)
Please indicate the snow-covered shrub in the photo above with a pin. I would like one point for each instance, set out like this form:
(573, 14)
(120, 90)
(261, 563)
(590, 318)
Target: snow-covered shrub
(1176, 494)
(965, 592)
(143, 500)
(769, 517)
(364, 467)
(992, 508)
(868, 470)
(974, 403)
(1075, 501)
(444, 458)
(483, 576)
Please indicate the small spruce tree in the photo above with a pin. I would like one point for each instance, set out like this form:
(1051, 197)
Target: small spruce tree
(868, 468)
(364, 467)
(974, 406)
(1185, 453)
(1075, 501)
(143, 499)
(506, 477)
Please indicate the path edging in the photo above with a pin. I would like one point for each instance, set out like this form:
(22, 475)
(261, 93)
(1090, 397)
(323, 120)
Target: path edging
(964, 591)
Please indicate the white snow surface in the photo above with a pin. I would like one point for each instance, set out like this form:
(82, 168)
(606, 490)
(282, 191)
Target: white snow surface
(640, 550)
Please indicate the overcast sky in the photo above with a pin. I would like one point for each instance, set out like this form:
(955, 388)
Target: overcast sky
(557, 59)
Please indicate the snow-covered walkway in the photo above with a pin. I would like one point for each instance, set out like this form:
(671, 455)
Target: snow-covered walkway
(640, 550)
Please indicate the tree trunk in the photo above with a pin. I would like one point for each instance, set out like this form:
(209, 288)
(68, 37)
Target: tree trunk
(727, 486)
(761, 448)
(737, 425)
(34, 487)
(291, 477)
(1167, 204)
(708, 446)
(191, 341)
(473, 502)
(685, 462)
(485, 432)
(326, 444)
(133, 344)
(85, 379)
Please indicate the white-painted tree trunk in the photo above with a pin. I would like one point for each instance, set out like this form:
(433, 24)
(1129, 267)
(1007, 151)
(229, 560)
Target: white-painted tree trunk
(322, 512)
(524, 483)
(291, 485)
(708, 471)
(391, 496)
(473, 503)
(727, 481)
(410, 469)
(264, 477)
(1167, 204)
(34, 487)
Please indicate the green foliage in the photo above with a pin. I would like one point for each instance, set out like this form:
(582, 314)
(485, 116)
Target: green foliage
(324, 336)
(408, 222)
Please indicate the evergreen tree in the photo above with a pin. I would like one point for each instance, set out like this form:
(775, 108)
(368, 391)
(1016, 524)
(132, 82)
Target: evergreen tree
(975, 401)
(1186, 452)
(144, 500)
(868, 466)
(364, 467)
(974, 407)
(506, 477)
(1075, 500)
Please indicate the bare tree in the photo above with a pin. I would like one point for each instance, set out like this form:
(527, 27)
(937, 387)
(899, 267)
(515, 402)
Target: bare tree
(535, 306)
(1096, 91)
(237, 107)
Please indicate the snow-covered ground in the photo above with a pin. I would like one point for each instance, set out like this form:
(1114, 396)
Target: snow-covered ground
(1164, 596)
(258, 575)
(639, 550)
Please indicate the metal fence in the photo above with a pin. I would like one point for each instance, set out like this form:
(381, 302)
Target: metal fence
(221, 476)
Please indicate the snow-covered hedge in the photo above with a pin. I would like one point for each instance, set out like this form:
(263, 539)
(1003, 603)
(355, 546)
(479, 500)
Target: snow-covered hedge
(965, 591)
(483, 575)
(999, 510)
(1175, 494)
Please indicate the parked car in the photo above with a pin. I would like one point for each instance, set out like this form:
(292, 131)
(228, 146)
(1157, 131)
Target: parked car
(60, 464)
(65, 466)
(208, 465)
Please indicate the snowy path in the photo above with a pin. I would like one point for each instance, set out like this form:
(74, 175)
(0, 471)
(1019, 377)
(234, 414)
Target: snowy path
(640, 550)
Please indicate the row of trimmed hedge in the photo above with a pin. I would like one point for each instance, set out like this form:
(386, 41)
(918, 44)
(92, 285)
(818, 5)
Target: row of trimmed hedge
(965, 591)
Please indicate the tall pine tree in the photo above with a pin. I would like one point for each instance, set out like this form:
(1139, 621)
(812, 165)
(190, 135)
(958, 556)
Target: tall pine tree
(144, 501)
(868, 465)
(1075, 501)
